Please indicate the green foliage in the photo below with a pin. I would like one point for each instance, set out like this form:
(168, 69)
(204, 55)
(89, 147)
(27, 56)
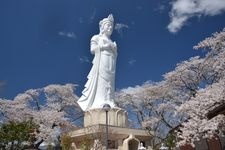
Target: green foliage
(50, 147)
(170, 141)
(86, 144)
(17, 135)
(66, 142)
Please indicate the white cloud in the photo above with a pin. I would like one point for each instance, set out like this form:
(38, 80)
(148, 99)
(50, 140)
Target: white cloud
(81, 20)
(139, 8)
(132, 90)
(93, 14)
(68, 34)
(131, 62)
(84, 59)
(2, 83)
(119, 28)
(161, 7)
(182, 10)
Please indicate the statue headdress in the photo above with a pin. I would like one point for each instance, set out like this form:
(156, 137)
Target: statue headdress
(109, 19)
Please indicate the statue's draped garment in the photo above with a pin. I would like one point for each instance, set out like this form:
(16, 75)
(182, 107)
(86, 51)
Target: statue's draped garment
(100, 86)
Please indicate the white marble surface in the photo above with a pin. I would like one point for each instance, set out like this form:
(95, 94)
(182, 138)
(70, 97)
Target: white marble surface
(100, 86)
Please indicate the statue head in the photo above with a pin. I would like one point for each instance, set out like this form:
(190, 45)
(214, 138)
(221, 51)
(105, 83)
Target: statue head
(106, 25)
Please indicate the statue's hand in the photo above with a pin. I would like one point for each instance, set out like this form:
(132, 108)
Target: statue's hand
(106, 46)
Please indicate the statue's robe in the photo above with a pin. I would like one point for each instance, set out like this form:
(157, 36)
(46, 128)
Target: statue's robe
(100, 86)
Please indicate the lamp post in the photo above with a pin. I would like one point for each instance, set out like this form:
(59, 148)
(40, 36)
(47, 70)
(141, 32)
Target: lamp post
(106, 108)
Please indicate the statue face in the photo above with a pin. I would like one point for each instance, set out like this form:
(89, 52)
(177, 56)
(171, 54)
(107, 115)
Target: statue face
(107, 29)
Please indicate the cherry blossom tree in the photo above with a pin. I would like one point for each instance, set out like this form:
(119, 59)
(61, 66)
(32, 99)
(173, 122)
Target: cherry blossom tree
(52, 108)
(199, 125)
(208, 98)
(184, 97)
(150, 103)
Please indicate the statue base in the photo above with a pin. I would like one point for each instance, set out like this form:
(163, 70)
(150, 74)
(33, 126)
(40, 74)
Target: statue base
(120, 137)
(116, 117)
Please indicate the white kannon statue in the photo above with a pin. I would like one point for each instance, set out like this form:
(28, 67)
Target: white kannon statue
(100, 87)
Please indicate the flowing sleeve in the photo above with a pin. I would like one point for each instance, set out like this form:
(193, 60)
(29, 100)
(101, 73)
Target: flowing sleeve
(89, 92)
(94, 45)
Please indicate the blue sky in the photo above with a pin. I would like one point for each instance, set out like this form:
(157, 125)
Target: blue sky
(47, 41)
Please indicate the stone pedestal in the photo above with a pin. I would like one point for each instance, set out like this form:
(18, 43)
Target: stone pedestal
(120, 138)
(116, 117)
